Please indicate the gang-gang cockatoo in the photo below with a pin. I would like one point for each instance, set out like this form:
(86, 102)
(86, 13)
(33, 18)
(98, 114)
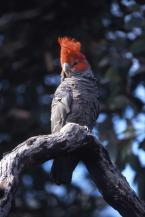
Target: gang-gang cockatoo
(75, 100)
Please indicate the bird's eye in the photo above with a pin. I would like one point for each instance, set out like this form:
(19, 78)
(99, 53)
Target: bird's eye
(75, 63)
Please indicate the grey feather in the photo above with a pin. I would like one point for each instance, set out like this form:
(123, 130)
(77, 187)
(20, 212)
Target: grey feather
(75, 100)
(60, 109)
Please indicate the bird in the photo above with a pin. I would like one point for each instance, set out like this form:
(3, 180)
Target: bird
(76, 100)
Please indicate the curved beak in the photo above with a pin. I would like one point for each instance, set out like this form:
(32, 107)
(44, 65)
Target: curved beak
(65, 67)
(65, 70)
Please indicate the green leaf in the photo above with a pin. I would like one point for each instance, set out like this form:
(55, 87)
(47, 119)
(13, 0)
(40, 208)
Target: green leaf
(142, 145)
(138, 46)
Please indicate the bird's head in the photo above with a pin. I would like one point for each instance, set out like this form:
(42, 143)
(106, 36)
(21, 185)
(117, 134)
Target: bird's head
(71, 58)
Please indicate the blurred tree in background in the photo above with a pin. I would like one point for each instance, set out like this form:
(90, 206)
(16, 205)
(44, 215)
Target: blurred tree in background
(113, 37)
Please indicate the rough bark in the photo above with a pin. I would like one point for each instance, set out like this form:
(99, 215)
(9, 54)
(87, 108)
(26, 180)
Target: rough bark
(72, 139)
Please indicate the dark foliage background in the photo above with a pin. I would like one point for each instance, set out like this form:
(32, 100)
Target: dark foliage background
(113, 37)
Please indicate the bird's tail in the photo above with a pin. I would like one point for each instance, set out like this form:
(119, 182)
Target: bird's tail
(62, 169)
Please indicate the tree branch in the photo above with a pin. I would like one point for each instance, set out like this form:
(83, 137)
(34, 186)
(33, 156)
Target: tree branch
(72, 139)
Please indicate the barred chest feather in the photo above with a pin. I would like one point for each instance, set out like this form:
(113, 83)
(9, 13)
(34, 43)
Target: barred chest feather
(76, 100)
